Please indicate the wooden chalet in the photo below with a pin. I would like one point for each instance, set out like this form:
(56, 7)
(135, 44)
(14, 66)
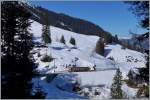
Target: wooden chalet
(79, 69)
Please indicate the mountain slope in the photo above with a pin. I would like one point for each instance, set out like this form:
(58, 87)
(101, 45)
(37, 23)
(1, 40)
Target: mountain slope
(125, 59)
(137, 42)
(69, 23)
(65, 54)
(84, 51)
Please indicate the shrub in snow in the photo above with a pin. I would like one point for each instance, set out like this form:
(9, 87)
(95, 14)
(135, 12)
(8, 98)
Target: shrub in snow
(94, 68)
(39, 94)
(76, 87)
(50, 77)
(72, 41)
(116, 91)
(86, 94)
(97, 92)
(47, 58)
(111, 58)
(123, 47)
(62, 40)
(39, 54)
(143, 91)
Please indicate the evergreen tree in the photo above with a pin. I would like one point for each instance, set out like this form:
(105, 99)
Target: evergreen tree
(144, 72)
(46, 35)
(100, 47)
(130, 75)
(72, 41)
(116, 39)
(141, 10)
(132, 78)
(107, 38)
(62, 40)
(116, 91)
(16, 65)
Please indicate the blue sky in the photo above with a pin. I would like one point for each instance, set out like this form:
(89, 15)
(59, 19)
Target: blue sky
(112, 16)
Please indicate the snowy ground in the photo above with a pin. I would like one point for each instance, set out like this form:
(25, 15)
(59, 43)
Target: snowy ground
(65, 54)
(52, 92)
(125, 59)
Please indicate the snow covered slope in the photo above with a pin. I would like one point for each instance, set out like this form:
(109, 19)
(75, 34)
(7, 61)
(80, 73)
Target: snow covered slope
(125, 59)
(36, 29)
(53, 92)
(84, 54)
(66, 54)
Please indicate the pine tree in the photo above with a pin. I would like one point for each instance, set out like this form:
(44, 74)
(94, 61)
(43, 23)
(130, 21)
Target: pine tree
(144, 72)
(130, 75)
(108, 38)
(17, 67)
(116, 39)
(131, 78)
(62, 40)
(46, 34)
(116, 91)
(141, 10)
(72, 41)
(100, 47)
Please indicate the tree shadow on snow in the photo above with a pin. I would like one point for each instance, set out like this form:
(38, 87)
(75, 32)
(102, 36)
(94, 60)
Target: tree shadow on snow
(107, 51)
(57, 48)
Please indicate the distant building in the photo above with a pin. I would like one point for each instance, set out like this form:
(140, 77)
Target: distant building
(79, 69)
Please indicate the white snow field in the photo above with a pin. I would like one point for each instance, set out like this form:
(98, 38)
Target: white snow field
(125, 59)
(65, 54)
(84, 53)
